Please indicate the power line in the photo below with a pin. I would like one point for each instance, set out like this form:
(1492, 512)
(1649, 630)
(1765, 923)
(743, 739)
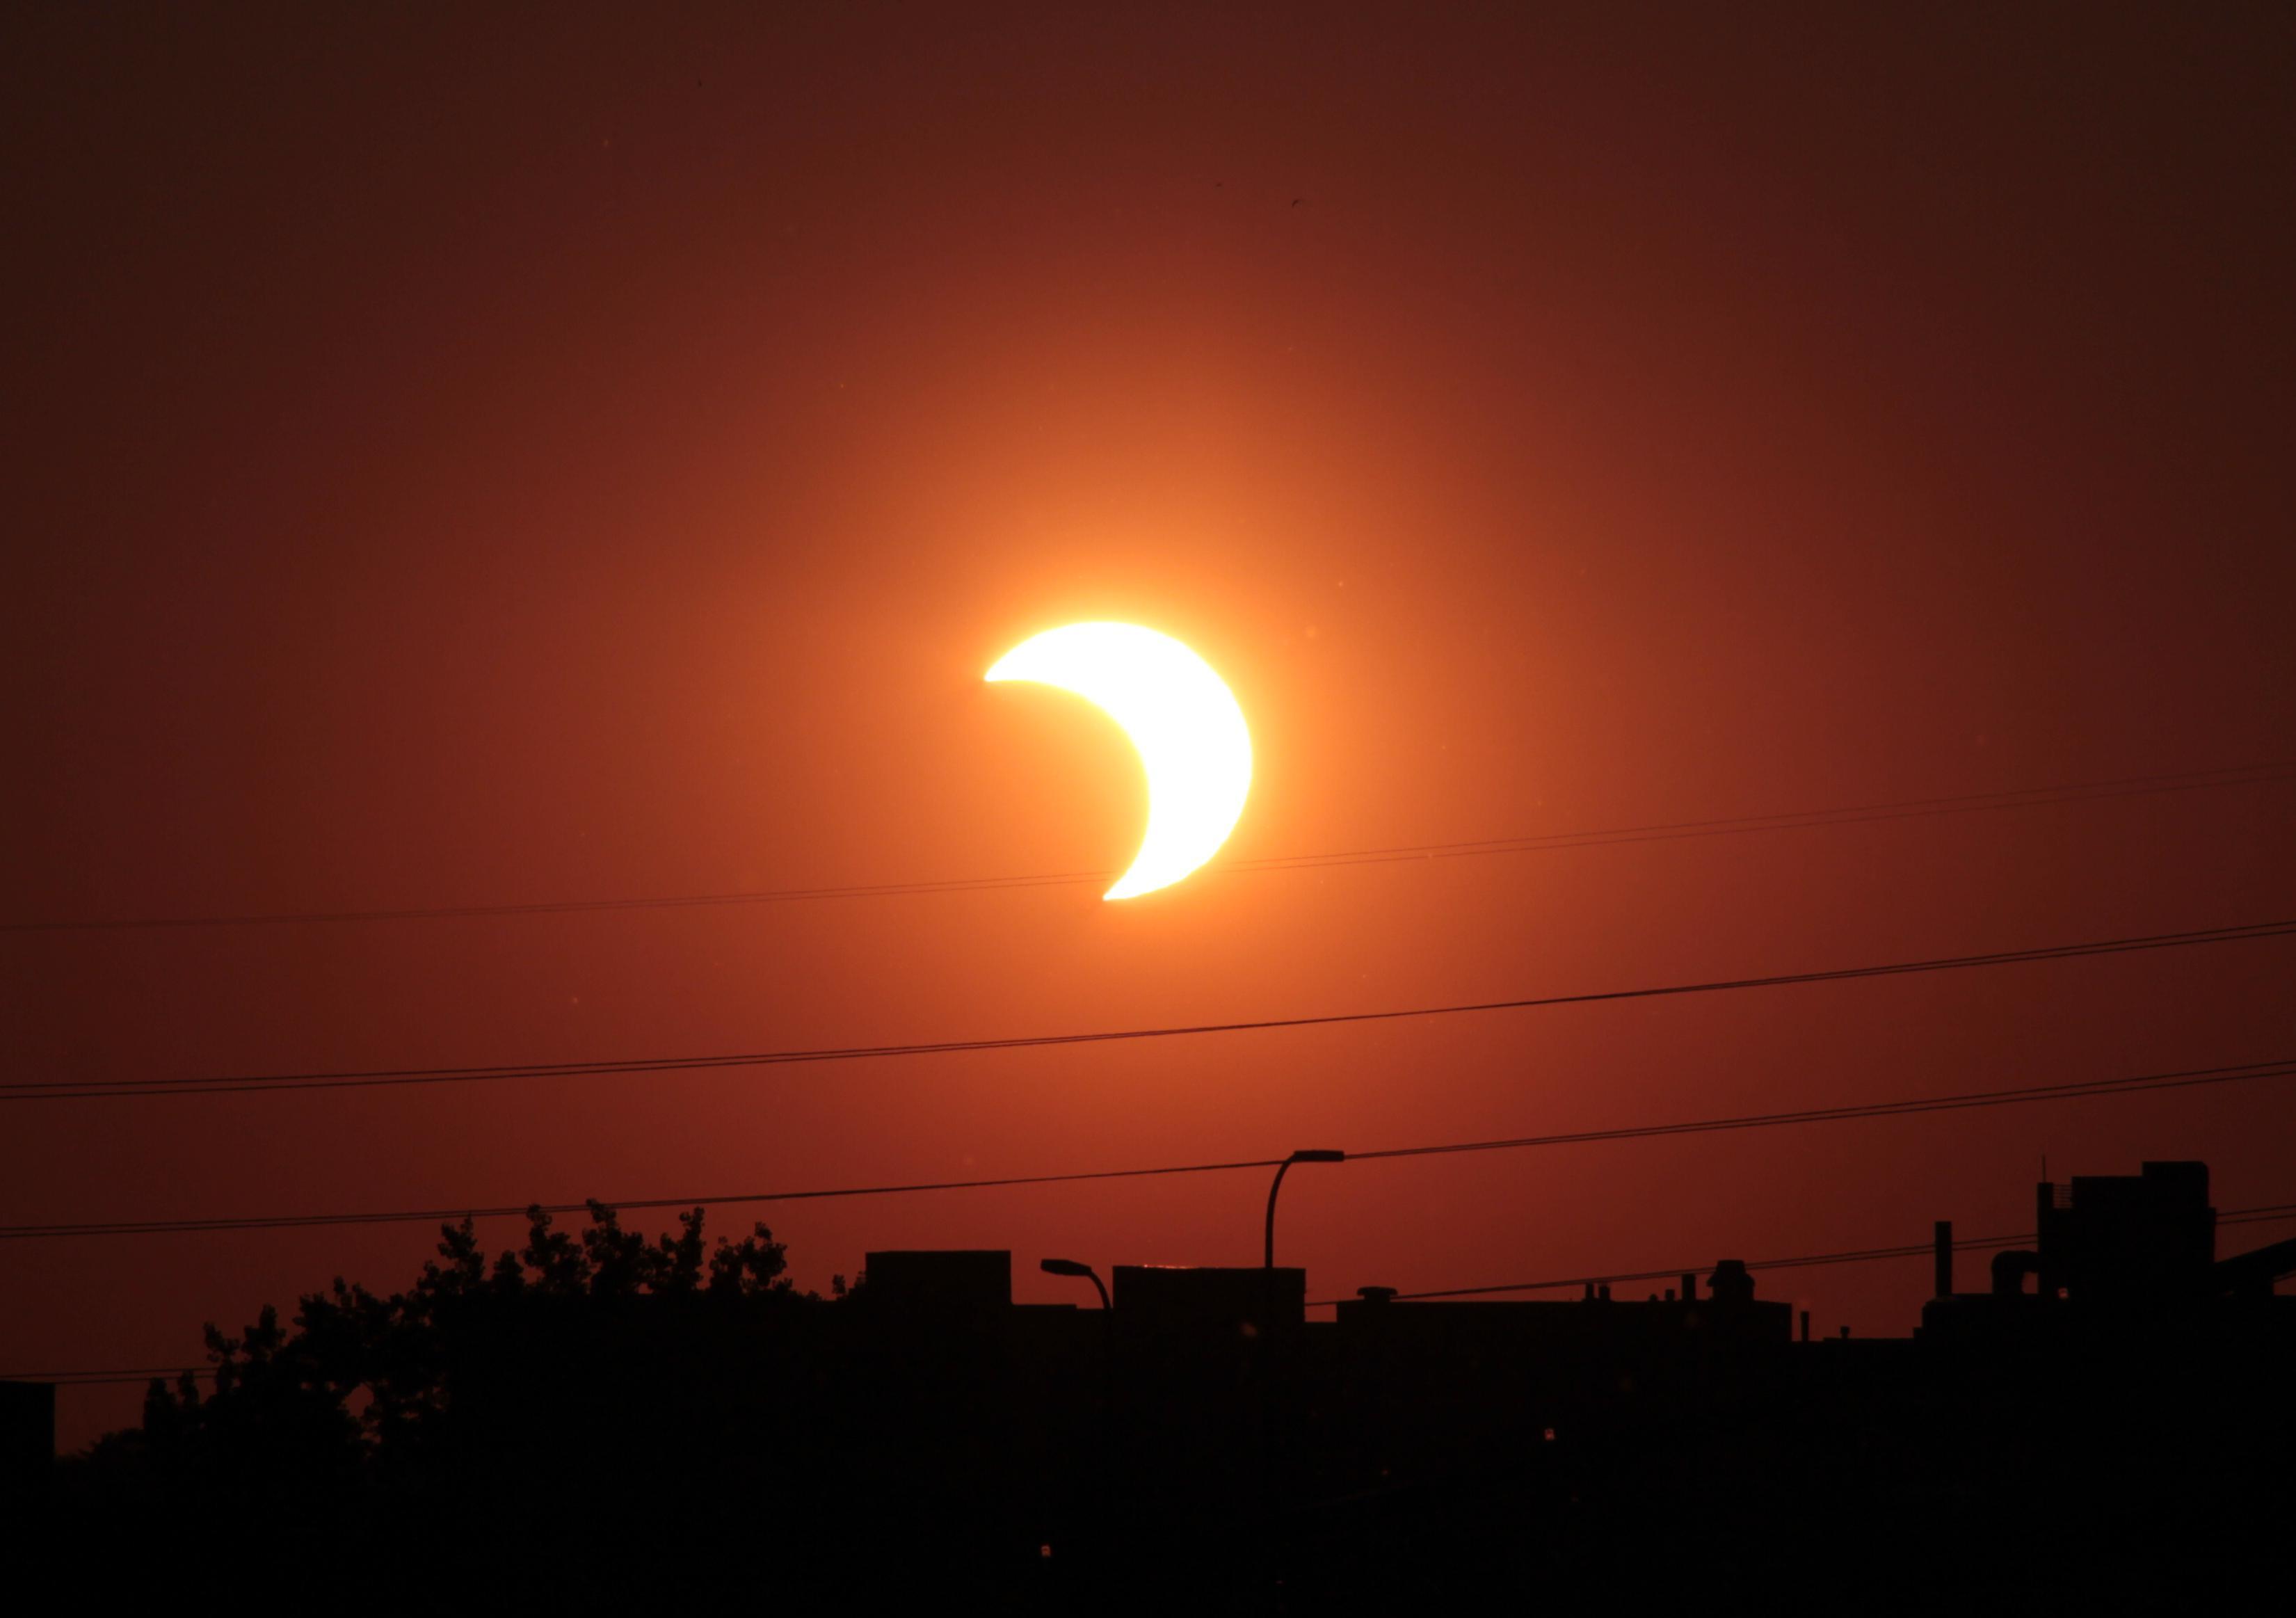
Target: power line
(428, 1215)
(1854, 1256)
(2077, 1089)
(211, 1085)
(2249, 774)
(2236, 1216)
(1861, 1255)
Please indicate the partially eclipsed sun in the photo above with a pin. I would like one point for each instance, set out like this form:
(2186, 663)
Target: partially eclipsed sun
(1180, 716)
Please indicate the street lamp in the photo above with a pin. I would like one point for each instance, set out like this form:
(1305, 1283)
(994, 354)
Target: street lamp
(1070, 1267)
(1296, 1157)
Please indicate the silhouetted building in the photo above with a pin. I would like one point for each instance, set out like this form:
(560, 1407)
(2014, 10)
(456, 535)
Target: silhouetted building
(1207, 1367)
(1184, 1299)
(941, 1281)
(2148, 1235)
(1433, 1384)
(2115, 1254)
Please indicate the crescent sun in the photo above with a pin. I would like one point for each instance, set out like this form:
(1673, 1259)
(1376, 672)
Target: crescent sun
(1182, 718)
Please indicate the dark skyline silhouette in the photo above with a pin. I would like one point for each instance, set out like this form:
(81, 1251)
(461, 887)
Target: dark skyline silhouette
(2119, 1390)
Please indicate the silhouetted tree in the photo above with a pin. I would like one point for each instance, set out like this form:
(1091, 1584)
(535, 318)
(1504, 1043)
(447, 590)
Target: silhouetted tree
(751, 1267)
(362, 1384)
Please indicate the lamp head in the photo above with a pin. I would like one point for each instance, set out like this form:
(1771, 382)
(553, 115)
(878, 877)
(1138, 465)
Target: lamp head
(1065, 1267)
(1319, 1157)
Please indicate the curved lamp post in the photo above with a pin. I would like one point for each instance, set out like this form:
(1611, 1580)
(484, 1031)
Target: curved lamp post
(1071, 1267)
(1296, 1157)
(1082, 1271)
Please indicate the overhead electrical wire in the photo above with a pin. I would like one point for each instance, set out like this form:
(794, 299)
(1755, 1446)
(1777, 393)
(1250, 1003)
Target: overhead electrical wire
(228, 1084)
(429, 1215)
(1861, 1255)
(2249, 774)
(1864, 1256)
(2077, 1089)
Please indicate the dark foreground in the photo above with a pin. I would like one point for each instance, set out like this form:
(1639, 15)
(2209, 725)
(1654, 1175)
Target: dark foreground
(2124, 1433)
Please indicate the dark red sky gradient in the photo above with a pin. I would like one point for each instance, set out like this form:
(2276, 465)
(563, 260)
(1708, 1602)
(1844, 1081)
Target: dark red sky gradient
(459, 458)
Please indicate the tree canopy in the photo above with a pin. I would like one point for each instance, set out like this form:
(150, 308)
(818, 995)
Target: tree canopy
(361, 1383)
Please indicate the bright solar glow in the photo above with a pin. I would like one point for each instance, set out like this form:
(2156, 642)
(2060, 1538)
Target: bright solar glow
(1180, 716)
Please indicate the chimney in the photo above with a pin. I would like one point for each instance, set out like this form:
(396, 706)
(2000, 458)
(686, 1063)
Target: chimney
(1805, 1326)
(1690, 1286)
(1945, 1258)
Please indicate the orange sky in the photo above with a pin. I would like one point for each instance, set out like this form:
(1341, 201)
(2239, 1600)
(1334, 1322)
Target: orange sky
(467, 458)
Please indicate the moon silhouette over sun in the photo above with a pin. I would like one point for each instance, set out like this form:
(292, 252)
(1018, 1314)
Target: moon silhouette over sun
(1182, 718)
